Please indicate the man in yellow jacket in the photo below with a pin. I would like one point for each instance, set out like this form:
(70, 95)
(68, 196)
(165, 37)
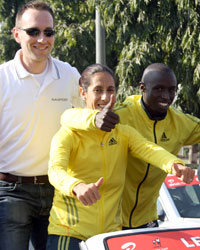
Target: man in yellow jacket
(152, 115)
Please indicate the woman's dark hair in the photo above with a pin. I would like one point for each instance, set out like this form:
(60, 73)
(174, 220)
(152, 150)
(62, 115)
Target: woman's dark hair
(84, 80)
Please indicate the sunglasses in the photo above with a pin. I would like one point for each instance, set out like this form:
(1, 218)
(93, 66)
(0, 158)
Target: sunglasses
(36, 32)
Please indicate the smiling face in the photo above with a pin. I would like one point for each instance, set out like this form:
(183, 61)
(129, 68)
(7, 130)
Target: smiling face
(158, 91)
(99, 91)
(35, 49)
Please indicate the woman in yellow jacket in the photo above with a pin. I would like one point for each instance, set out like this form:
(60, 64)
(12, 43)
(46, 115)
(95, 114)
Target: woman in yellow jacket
(88, 169)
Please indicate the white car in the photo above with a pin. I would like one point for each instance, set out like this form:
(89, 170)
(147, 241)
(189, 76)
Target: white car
(179, 203)
(179, 238)
(179, 224)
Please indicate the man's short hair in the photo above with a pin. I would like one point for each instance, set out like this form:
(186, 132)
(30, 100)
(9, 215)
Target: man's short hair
(37, 5)
(160, 67)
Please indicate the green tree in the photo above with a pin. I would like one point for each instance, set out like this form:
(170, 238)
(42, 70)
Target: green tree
(75, 32)
(8, 11)
(138, 33)
(148, 31)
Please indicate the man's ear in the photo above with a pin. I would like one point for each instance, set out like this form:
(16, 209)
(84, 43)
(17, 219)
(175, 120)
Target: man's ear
(142, 86)
(16, 34)
(82, 93)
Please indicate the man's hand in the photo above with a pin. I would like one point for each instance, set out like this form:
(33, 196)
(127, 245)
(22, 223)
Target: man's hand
(186, 174)
(88, 193)
(107, 119)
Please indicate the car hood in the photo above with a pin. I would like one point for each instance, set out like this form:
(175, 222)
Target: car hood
(181, 222)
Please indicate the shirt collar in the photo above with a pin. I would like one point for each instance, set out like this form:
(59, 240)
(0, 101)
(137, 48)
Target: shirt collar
(23, 73)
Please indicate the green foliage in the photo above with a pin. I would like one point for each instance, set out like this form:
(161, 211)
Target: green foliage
(148, 31)
(138, 33)
(75, 27)
(8, 11)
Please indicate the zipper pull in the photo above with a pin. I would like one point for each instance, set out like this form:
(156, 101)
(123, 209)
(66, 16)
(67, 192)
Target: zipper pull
(101, 144)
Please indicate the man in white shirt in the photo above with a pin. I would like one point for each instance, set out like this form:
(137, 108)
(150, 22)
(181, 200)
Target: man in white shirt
(35, 89)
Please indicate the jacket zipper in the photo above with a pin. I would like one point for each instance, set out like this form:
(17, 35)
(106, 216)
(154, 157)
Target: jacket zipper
(140, 184)
(101, 219)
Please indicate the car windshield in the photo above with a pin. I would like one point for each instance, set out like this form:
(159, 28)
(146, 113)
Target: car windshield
(186, 197)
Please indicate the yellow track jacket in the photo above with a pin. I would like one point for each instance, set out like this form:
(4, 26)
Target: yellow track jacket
(143, 181)
(81, 156)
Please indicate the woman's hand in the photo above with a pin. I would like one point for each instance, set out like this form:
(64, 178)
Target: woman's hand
(107, 119)
(88, 193)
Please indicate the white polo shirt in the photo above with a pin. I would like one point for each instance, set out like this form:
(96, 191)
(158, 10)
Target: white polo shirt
(30, 114)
